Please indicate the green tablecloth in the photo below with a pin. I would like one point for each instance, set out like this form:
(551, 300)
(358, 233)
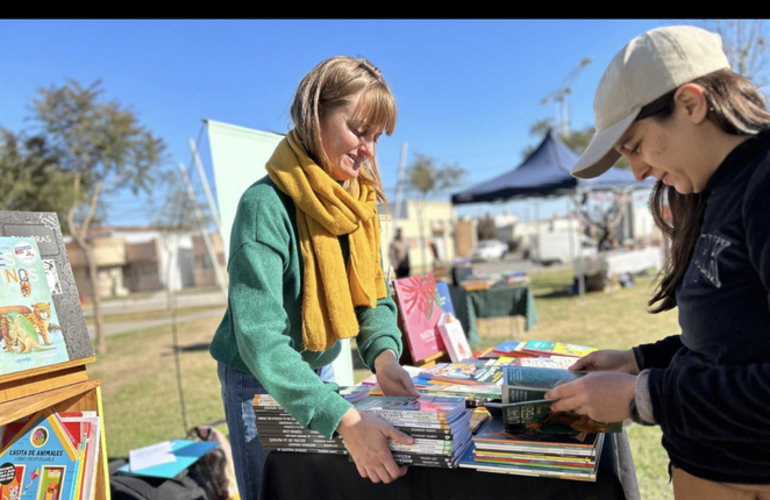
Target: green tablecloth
(498, 301)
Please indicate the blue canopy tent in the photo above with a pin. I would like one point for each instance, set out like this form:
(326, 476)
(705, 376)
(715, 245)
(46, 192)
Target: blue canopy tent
(546, 172)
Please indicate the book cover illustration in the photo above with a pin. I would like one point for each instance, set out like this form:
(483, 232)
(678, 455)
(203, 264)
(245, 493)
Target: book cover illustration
(426, 407)
(420, 307)
(45, 463)
(30, 335)
(537, 416)
(464, 373)
(445, 300)
(44, 228)
(546, 348)
(453, 337)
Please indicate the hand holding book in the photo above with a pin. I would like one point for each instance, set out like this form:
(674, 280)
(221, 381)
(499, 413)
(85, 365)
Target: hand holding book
(366, 439)
(607, 360)
(603, 396)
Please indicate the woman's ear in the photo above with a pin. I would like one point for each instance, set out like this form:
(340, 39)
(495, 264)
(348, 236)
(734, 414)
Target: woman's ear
(692, 99)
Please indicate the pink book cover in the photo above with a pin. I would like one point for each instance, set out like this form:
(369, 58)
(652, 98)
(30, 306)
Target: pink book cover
(420, 308)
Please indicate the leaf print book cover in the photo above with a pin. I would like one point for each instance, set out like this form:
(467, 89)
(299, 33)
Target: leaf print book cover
(420, 307)
(30, 336)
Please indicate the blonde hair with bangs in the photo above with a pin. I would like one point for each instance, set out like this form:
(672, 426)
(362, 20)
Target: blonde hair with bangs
(331, 84)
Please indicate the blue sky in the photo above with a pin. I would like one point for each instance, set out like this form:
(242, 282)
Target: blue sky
(467, 91)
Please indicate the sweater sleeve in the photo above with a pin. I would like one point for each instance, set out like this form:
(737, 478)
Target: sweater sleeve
(730, 403)
(261, 326)
(378, 330)
(659, 354)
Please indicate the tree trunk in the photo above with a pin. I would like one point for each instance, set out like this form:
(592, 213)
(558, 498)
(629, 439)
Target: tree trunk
(101, 342)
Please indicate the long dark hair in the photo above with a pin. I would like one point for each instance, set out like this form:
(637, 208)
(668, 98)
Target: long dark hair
(736, 105)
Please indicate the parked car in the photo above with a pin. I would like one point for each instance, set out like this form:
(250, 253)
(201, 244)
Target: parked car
(556, 248)
(489, 250)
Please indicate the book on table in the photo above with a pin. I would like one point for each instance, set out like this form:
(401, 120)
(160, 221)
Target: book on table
(547, 348)
(464, 373)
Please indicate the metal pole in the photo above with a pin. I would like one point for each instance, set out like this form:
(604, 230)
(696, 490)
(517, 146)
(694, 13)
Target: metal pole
(204, 232)
(205, 182)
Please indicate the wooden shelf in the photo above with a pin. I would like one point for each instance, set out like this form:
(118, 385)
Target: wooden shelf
(83, 395)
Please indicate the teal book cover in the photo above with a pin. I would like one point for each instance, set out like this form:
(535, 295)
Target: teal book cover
(30, 335)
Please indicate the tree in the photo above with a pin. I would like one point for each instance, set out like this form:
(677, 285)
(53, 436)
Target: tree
(31, 177)
(486, 229)
(103, 146)
(427, 180)
(745, 43)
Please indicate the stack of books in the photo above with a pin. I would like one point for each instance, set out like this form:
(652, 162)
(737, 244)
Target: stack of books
(440, 427)
(279, 431)
(527, 437)
(564, 456)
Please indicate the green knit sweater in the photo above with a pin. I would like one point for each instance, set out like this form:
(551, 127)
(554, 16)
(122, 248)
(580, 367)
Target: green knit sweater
(261, 332)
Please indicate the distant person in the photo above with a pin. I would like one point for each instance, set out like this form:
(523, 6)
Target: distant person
(671, 105)
(399, 255)
(305, 272)
(608, 242)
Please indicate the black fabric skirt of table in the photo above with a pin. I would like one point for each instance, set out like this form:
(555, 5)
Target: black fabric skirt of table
(300, 476)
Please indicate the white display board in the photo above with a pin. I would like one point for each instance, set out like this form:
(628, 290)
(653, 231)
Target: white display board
(238, 158)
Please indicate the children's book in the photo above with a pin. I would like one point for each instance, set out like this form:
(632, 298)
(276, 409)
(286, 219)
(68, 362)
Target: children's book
(30, 334)
(512, 348)
(464, 373)
(419, 306)
(426, 408)
(40, 462)
(546, 348)
(453, 336)
(521, 383)
(445, 300)
(537, 416)
(56, 274)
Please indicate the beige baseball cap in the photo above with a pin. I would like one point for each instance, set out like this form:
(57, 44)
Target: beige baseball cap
(648, 67)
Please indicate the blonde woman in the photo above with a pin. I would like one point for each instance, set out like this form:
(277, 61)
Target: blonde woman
(305, 272)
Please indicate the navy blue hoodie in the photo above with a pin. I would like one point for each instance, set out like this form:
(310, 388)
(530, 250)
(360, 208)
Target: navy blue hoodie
(710, 386)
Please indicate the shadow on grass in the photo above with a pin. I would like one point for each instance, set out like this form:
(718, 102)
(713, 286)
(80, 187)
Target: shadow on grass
(203, 346)
(554, 294)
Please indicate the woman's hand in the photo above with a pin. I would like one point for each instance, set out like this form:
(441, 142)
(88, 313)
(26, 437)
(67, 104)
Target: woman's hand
(366, 439)
(391, 376)
(603, 396)
(608, 360)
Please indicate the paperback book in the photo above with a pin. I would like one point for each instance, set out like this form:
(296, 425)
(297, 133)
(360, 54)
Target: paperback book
(522, 383)
(546, 348)
(464, 373)
(537, 416)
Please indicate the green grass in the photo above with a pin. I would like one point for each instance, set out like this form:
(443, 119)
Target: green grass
(142, 405)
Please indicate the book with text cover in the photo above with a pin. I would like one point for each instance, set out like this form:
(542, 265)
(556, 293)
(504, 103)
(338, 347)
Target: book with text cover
(30, 334)
(419, 307)
(537, 416)
(422, 409)
(464, 373)
(546, 348)
(45, 229)
(522, 383)
(41, 461)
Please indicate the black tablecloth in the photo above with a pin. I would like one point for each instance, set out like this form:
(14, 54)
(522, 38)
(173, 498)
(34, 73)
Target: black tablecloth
(299, 476)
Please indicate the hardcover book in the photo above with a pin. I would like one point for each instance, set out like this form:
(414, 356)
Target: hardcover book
(30, 335)
(57, 273)
(419, 306)
(40, 461)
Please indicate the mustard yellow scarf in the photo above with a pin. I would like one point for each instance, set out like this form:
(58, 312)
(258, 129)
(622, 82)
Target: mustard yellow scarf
(325, 210)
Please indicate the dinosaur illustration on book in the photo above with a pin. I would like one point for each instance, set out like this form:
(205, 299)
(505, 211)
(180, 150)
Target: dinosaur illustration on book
(25, 328)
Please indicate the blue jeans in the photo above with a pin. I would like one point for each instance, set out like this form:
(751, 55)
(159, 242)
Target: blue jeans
(238, 390)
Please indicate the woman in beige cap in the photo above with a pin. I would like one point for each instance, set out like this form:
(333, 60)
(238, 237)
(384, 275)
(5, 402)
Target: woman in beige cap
(669, 103)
